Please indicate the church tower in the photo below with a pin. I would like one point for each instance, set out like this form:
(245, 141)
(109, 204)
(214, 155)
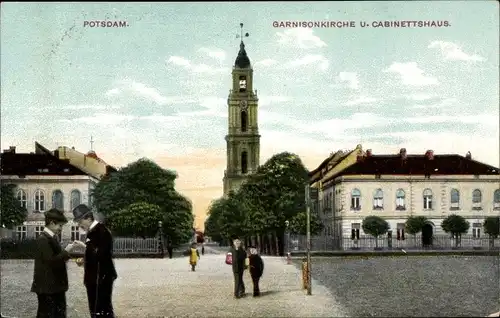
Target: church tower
(243, 139)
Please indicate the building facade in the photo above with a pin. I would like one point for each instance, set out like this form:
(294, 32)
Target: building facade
(43, 182)
(396, 187)
(243, 139)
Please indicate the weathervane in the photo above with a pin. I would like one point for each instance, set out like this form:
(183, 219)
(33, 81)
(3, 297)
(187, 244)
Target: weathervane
(241, 35)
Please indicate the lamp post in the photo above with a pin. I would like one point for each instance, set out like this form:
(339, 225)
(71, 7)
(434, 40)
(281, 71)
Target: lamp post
(287, 224)
(160, 239)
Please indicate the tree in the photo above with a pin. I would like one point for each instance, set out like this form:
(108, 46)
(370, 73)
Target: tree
(212, 222)
(13, 214)
(298, 224)
(414, 224)
(375, 226)
(491, 227)
(456, 225)
(139, 219)
(144, 181)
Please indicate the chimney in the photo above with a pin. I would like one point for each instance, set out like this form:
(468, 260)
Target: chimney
(368, 152)
(402, 153)
(73, 147)
(468, 155)
(429, 154)
(12, 149)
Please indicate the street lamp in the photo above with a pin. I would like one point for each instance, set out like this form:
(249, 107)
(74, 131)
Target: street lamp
(287, 223)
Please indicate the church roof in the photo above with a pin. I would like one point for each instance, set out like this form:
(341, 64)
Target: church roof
(28, 164)
(242, 60)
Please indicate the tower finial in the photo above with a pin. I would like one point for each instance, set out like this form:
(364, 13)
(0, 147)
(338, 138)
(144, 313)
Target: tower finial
(241, 35)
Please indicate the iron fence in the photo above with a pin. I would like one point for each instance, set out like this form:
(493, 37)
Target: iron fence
(298, 243)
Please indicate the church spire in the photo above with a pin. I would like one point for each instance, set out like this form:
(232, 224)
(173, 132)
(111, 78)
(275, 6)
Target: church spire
(242, 60)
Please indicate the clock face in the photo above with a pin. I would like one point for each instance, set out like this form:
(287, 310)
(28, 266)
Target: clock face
(243, 104)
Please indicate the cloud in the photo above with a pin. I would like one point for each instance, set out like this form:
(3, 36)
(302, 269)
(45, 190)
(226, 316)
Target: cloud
(101, 119)
(311, 59)
(361, 100)
(196, 68)
(214, 107)
(420, 97)
(453, 52)
(350, 78)
(411, 74)
(130, 87)
(214, 53)
(300, 37)
(266, 62)
(270, 100)
(442, 104)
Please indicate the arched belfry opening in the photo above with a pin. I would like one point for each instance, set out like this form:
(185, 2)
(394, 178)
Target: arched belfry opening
(244, 121)
(244, 162)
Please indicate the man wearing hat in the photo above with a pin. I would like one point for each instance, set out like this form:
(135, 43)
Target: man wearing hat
(99, 269)
(50, 275)
(239, 256)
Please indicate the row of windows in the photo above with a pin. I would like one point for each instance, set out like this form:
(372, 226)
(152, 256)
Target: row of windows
(22, 232)
(427, 196)
(40, 199)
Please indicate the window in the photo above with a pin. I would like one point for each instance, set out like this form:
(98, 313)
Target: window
(400, 200)
(476, 230)
(57, 200)
(243, 83)
(21, 232)
(378, 200)
(244, 162)
(75, 233)
(244, 121)
(355, 200)
(476, 199)
(496, 200)
(400, 235)
(454, 199)
(39, 201)
(22, 198)
(355, 231)
(427, 199)
(38, 230)
(76, 199)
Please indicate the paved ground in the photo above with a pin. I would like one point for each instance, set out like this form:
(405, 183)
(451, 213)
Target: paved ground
(167, 288)
(415, 286)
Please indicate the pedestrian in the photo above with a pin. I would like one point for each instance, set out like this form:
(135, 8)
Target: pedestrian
(256, 265)
(99, 269)
(194, 255)
(170, 249)
(50, 275)
(203, 249)
(239, 256)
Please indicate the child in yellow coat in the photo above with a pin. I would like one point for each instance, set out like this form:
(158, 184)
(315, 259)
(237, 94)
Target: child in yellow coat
(194, 255)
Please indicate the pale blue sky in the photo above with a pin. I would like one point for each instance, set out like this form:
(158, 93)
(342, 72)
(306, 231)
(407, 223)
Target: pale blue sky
(158, 87)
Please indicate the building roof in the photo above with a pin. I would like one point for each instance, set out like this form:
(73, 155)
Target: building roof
(27, 164)
(242, 60)
(428, 164)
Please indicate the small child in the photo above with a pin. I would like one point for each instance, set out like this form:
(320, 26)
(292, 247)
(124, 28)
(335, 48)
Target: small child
(256, 269)
(194, 255)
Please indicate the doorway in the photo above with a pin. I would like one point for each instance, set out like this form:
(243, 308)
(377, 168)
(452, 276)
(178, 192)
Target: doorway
(427, 233)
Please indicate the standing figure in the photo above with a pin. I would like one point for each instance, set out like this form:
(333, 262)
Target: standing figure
(238, 261)
(194, 255)
(50, 275)
(203, 249)
(170, 249)
(99, 269)
(256, 269)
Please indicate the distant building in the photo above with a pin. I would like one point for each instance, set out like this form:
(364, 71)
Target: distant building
(45, 181)
(396, 186)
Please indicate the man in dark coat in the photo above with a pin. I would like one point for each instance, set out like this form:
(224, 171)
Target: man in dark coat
(99, 269)
(170, 249)
(256, 265)
(239, 256)
(50, 275)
